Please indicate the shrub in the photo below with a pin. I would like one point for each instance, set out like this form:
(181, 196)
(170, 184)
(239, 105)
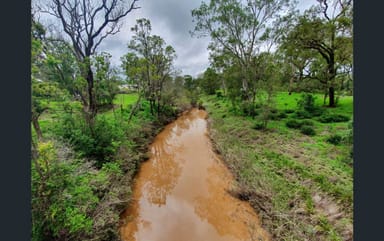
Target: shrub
(307, 103)
(101, 143)
(329, 118)
(289, 111)
(273, 116)
(302, 114)
(307, 123)
(258, 126)
(219, 94)
(282, 115)
(334, 139)
(274, 111)
(307, 108)
(308, 130)
(294, 124)
(62, 192)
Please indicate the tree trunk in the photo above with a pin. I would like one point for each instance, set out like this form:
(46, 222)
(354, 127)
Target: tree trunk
(135, 107)
(331, 96)
(36, 126)
(325, 97)
(91, 96)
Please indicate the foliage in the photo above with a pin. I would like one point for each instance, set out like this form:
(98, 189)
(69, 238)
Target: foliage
(306, 107)
(307, 123)
(62, 194)
(150, 64)
(334, 139)
(99, 143)
(106, 80)
(329, 118)
(308, 130)
(282, 115)
(293, 124)
(321, 39)
(237, 29)
(210, 81)
(258, 126)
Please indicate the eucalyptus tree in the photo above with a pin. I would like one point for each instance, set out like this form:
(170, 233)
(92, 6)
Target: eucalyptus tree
(325, 32)
(239, 29)
(87, 23)
(149, 62)
(106, 79)
(210, 81)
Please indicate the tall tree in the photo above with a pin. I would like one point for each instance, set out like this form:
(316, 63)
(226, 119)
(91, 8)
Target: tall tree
(150, 62)
(87, 23)
(210, 81)
(326, 30)
(238, 29)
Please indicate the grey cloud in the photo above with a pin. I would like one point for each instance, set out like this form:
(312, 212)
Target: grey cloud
(171, 20)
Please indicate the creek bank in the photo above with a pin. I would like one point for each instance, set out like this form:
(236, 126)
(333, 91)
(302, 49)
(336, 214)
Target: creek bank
(182, 191)
(115, 201)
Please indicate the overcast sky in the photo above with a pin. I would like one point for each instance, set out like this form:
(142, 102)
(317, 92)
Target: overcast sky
(171, 20)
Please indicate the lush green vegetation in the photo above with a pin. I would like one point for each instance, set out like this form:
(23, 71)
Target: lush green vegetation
(300, 185)
(80, 180)
(87, 139)
(291, 152)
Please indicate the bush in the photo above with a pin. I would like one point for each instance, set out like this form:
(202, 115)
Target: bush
(307, 108)
(302, 114)
(307, 123)
(289, 111)
(273, 116)
(248, 109)
(258, 126)
(99, 144)
(330, 118)
(282, 115)
(308, 130)
(334, 139)
(294, 124)
(62, 191)
(219, 94)
(307, 103)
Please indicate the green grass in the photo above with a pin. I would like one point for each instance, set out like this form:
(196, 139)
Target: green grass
(126, 99)
(288, 168)
(126, 146)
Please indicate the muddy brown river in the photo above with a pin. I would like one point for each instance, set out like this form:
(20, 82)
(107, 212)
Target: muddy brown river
(180, 193)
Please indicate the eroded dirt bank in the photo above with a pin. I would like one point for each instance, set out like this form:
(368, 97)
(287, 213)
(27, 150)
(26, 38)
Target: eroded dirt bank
(181, 193)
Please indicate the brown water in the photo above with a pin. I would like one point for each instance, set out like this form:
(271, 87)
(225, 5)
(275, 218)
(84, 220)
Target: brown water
(180, 194)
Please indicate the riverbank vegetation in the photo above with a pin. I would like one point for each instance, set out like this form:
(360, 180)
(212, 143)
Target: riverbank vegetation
(278, 92)
(91, 128)
(299, 182)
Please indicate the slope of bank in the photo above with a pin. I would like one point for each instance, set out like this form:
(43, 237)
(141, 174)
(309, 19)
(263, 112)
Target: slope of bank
(182, 194)
(300, 185)
(78, 196)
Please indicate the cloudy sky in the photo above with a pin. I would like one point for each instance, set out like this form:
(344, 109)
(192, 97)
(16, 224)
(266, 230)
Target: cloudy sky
(172, 20)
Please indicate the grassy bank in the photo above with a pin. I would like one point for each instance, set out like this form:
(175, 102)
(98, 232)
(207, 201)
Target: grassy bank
(301, 185)
(81, 183)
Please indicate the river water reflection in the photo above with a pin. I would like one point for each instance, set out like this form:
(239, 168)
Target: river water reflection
(180, 193)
